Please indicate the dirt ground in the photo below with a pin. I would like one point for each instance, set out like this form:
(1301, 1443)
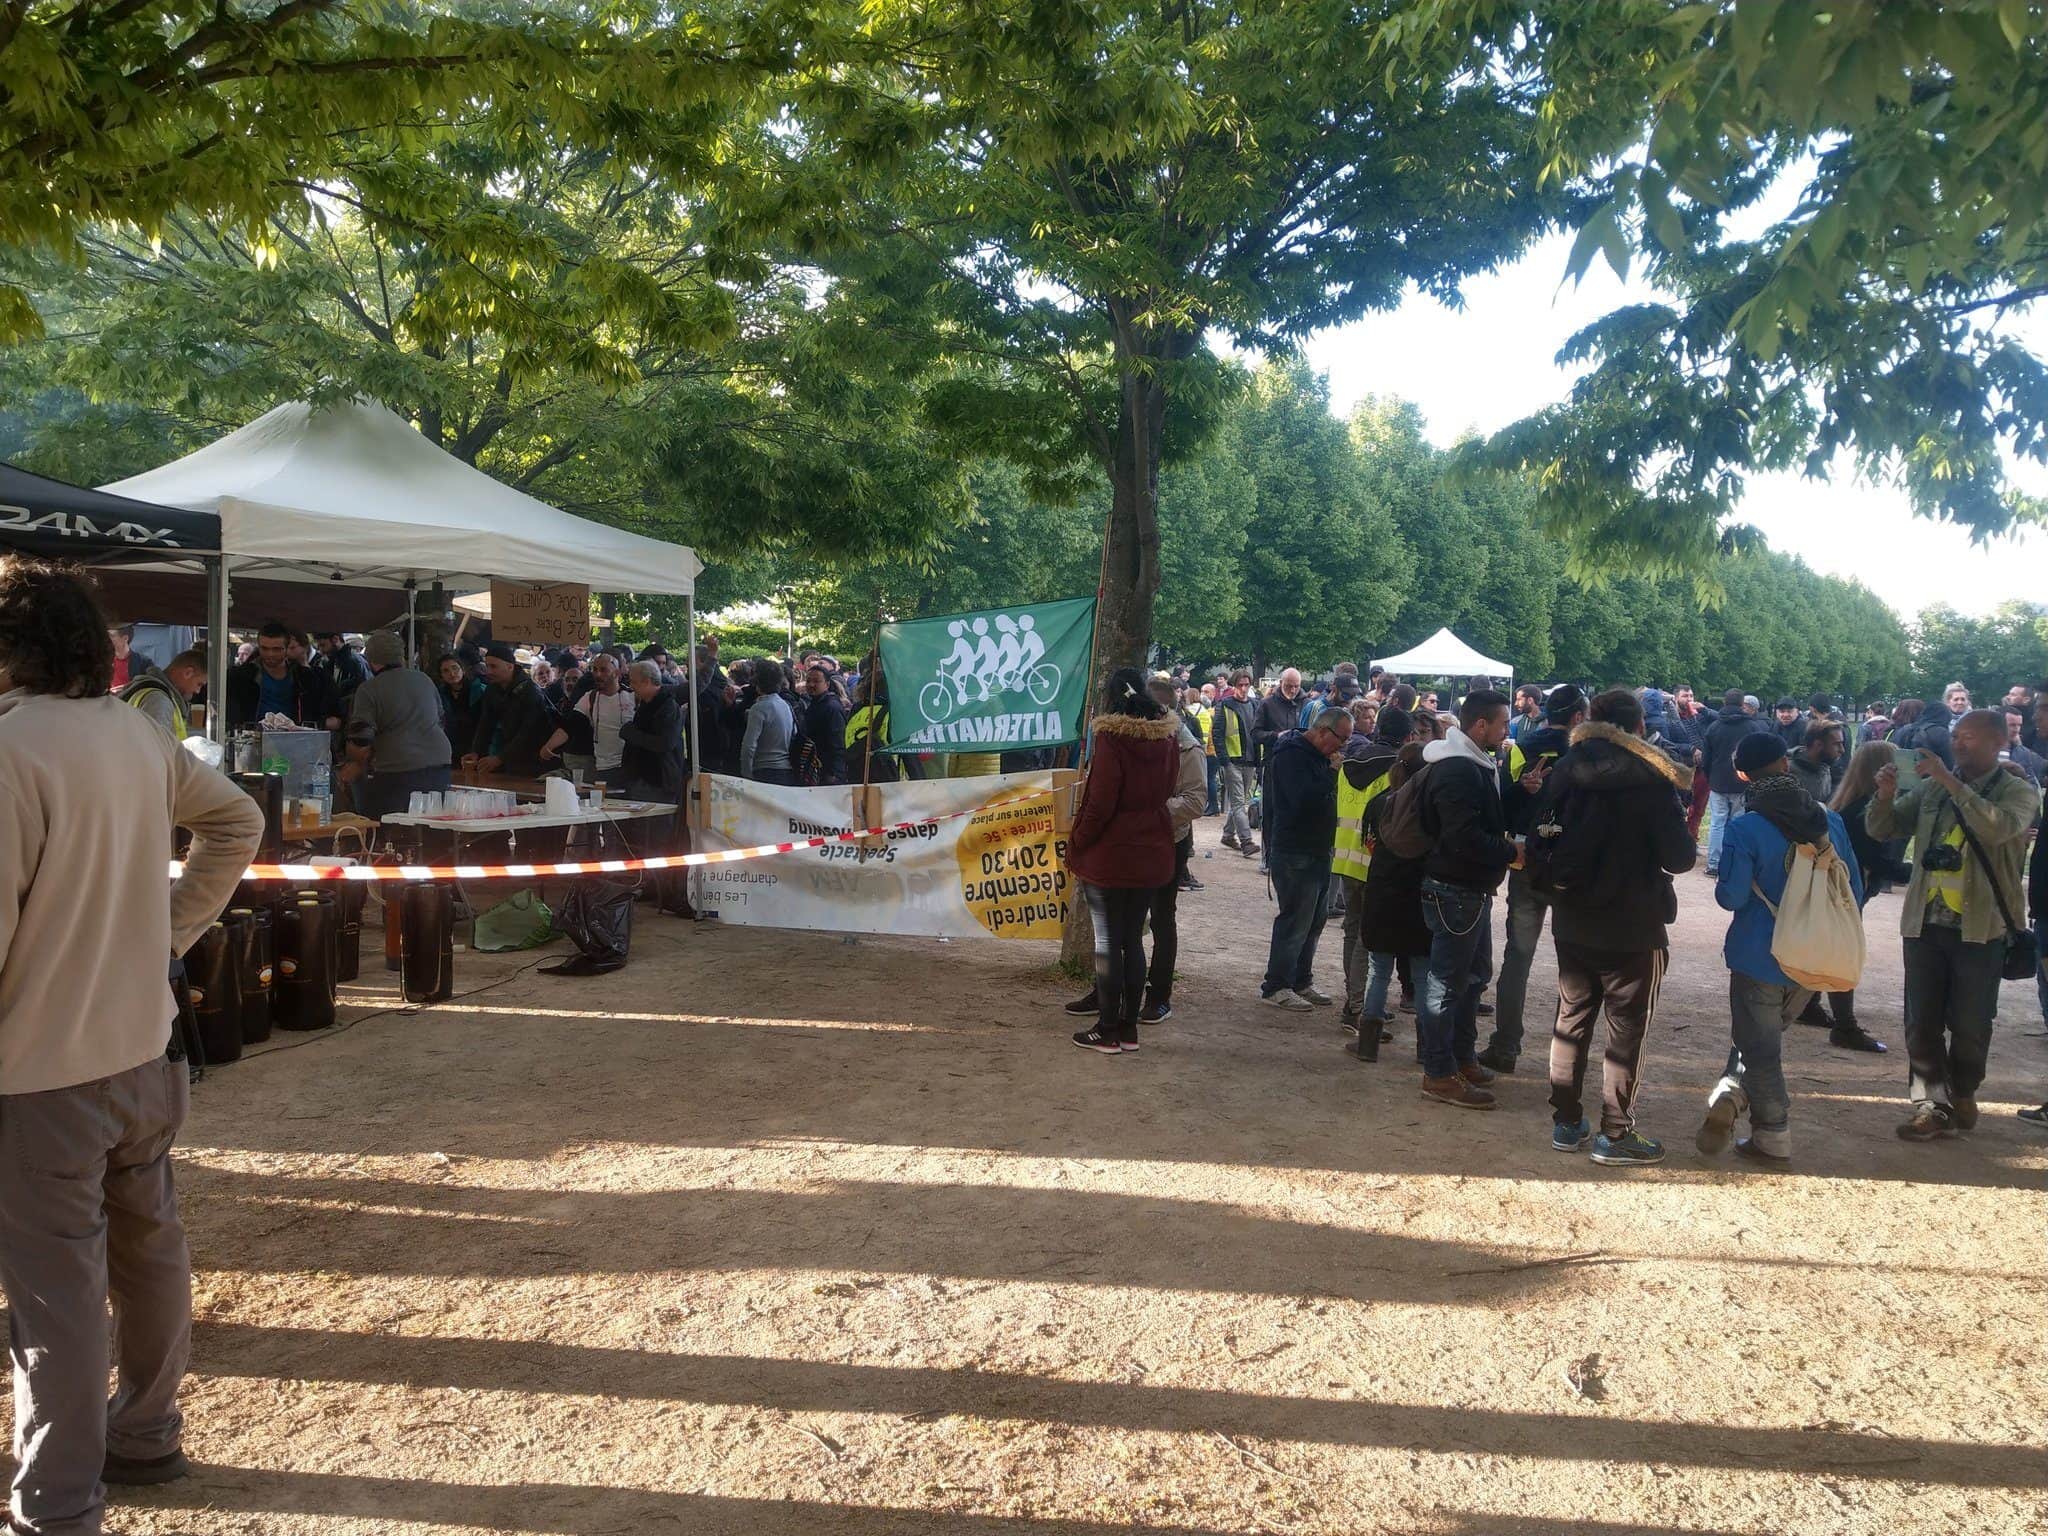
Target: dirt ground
(776, 1233)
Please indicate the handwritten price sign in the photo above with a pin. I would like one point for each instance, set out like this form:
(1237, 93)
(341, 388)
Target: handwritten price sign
(555, 614)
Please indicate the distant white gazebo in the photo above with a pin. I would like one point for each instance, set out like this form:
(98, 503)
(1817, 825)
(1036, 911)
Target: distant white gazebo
(1443, 654)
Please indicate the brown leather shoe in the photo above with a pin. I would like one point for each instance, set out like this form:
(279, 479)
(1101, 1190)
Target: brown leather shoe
(1475, 1074)
(1456, 1091)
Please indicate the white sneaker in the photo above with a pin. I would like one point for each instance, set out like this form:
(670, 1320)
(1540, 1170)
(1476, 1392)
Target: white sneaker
(1293, 1002)
(1319, 999)
(1725, 1105)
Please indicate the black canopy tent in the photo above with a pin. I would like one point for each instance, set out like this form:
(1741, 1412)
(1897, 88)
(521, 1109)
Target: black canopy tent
(41, 516)
(110, 534)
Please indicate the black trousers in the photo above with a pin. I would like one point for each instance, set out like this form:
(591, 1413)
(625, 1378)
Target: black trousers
(1625, 985)
(1165, 942)
(1118, 914)
(1182, 852)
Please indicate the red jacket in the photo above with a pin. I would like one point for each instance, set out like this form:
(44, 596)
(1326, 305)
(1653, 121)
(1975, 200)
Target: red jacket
(1123, 833)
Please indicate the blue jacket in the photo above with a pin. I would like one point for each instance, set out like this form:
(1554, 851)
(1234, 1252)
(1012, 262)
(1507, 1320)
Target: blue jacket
(1755, 850)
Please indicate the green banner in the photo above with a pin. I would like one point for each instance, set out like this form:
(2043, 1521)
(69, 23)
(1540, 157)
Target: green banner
(994, 681)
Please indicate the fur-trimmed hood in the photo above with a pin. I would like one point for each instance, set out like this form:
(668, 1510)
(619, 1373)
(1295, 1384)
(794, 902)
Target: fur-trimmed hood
(1137, 728)
(1604, 757)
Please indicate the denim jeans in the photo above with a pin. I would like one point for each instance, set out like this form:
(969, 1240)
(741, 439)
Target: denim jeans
(1759, 1012)
(1723, 809)
(1380, 976)
(1460, 962)
(1951, 1003)
(1525, 930)
(1212, 805)
(1301, 884)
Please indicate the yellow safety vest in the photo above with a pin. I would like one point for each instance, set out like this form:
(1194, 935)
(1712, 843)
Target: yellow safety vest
(1231, 747)
(133, 693)
(1205, 718)
(1947, 884)
(857, 727)
(1352, 858)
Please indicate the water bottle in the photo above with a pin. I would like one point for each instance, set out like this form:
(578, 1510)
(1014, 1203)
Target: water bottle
(320, 790)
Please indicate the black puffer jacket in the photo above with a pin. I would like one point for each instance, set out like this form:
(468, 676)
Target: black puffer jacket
(1624, 837)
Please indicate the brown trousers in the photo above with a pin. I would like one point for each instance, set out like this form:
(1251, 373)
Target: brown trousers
(88, 1213)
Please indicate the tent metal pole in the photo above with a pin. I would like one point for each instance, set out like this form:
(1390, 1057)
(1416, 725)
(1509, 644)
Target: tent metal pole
(691, 816)
(217, 595)
(412, 623)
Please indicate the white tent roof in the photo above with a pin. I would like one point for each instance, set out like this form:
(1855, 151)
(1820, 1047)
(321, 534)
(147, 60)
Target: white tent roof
(352, 490)
(1443, 654)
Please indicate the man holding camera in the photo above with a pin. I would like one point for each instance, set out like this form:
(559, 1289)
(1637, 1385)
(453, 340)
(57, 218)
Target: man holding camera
(1969, 826)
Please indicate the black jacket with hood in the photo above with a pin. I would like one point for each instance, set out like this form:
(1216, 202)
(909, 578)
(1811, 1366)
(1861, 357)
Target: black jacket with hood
(1722, 738)
(1622, 805)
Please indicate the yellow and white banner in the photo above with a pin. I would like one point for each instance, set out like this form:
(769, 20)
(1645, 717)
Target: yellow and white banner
(994, 867)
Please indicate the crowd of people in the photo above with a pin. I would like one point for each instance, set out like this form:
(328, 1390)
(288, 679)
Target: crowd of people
(1365, 797)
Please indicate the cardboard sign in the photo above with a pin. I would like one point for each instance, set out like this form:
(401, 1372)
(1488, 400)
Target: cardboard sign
(555, 614)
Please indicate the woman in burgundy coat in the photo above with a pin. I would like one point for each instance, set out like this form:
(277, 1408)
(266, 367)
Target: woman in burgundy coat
(1121, 848)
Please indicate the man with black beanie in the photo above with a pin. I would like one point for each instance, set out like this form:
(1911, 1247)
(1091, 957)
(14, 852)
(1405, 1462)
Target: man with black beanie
(513, 722)
(1529, 762)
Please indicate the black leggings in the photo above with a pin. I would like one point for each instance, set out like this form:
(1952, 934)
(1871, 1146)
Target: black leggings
(1118, 913)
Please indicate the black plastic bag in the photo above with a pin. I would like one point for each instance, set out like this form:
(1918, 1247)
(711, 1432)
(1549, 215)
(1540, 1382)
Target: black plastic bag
(597, 916)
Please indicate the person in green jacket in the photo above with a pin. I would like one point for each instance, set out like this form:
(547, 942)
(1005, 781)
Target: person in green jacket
(1969, 828)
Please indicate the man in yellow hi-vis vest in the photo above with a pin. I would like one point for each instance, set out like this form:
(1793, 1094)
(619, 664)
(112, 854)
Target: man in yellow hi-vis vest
(166, 696)
(1361, 780)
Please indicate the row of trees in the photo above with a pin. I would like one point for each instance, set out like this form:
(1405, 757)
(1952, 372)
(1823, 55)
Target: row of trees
(1293, 536)
(770, 278)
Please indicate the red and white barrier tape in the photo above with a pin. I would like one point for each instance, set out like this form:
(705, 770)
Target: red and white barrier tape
(372, 872)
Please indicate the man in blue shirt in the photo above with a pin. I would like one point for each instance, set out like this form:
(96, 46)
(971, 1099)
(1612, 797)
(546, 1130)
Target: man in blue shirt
(1762, 999)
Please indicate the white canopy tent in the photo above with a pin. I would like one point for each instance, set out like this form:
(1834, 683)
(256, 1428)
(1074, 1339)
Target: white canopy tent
(1443, 654)
(351, 495)
(351, 491)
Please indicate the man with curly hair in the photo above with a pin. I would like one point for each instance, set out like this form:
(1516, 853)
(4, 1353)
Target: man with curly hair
(92, 1090)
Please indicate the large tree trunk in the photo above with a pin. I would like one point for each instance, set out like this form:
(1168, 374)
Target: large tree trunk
(1130, 565)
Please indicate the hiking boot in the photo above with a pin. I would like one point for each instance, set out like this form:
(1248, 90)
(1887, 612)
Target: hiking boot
(1456, 1091)
(1962, 1110)
(1318, 999)
(1570, 1138)
(1155, 1013)
(1291, 1001)
(1724, 1105)
(1929, 1123)
(1249, 850)
(1851, 1037)
(1629, 1151)
(1081, 1007)
(1494, 1059)
(1229, 841)
(1096, 1040)
(130, 1472)
(1366, 1047)
(1474, 1074)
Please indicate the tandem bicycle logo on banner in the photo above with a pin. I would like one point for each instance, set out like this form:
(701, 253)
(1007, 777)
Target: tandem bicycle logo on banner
(1000, 679)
